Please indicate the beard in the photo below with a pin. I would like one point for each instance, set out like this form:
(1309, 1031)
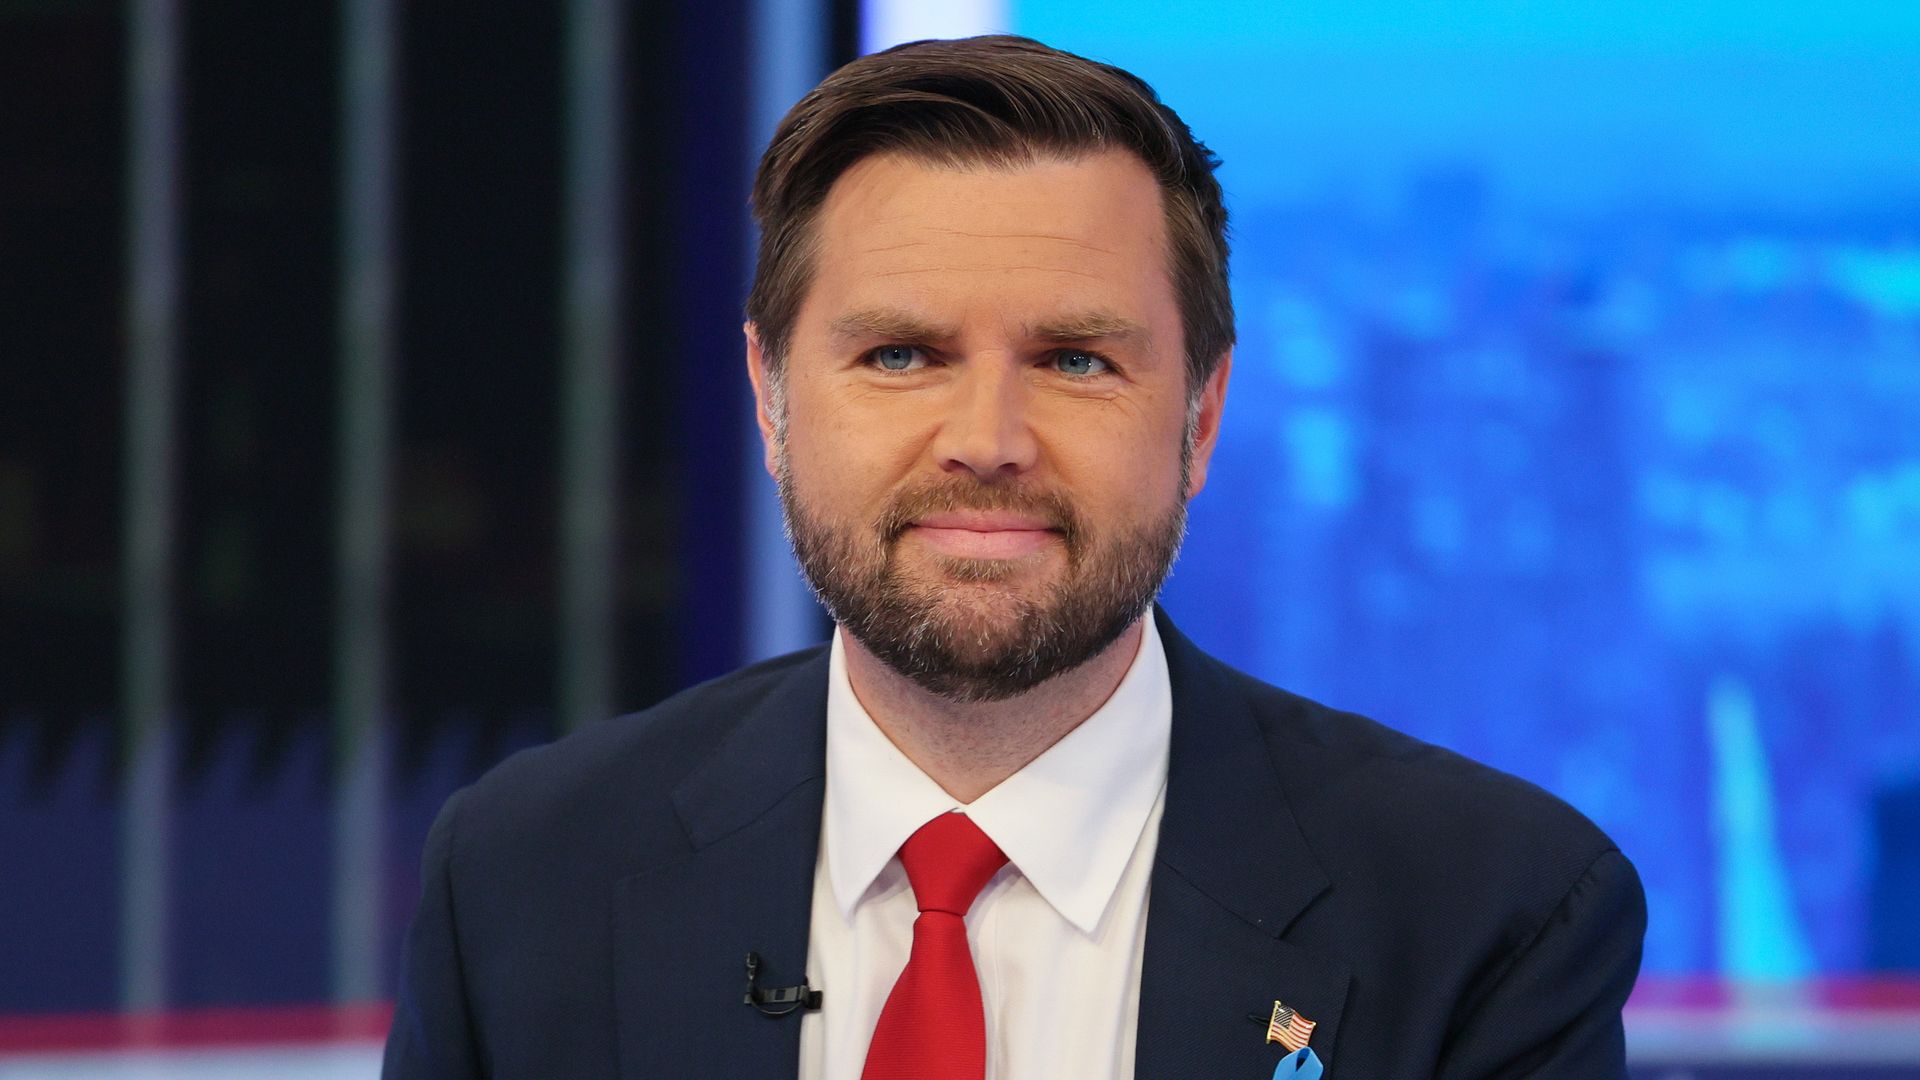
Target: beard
(964, 632)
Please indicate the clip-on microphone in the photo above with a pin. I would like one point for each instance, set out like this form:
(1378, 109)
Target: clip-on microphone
(778, 1000)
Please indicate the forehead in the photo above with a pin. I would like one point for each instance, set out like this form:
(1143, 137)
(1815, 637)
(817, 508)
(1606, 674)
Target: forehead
(1026, 240)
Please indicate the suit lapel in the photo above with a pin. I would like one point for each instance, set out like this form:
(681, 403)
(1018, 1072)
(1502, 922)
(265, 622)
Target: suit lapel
(1231, 873)
(682, 930)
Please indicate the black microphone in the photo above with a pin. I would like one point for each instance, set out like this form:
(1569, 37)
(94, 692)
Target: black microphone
(777, 1000)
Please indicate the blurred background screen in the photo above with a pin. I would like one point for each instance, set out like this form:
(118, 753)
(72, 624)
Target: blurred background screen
(1575, 425)
(374, 407)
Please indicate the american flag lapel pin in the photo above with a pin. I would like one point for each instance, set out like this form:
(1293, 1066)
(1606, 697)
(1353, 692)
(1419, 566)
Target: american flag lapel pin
(1289, 1028)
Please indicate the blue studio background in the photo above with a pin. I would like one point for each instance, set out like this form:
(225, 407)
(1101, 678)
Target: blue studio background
(1575, 422)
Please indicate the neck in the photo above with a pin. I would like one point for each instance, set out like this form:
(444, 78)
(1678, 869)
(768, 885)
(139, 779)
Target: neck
(969, 747)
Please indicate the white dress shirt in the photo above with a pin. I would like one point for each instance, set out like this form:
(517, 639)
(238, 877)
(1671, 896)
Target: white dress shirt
(1057, 935)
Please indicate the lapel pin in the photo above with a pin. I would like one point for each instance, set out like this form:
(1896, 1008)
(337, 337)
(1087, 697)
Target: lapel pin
(1289, 1028)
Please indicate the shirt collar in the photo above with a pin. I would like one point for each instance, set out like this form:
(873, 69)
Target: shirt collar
(1068, 821)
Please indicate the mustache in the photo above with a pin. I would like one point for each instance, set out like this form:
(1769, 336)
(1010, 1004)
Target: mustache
(962, 493)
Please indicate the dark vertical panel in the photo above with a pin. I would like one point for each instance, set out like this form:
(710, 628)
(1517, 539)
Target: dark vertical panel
(62, 310)
(648, 655)
(475, 496)
(61, 297)
(259, 343)
(251, 836)
(708, 198)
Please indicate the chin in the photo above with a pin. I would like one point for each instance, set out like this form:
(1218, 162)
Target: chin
(1034, 572)
(983, 609)
(999, 572)
(970, 613)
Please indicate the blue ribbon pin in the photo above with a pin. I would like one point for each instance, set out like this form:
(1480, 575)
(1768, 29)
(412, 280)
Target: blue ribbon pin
(1302, 1064)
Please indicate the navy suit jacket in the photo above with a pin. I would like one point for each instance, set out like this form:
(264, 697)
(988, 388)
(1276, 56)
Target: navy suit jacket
(588, 904)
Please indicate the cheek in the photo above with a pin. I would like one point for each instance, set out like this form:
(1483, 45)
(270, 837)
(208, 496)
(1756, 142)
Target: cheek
(1118, 463)
(846, 458)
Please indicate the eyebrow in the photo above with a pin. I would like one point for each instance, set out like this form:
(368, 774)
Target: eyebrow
(900, 325)
(890, 323)
(1088, 326)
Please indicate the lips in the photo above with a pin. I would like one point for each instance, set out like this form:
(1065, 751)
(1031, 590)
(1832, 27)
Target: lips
(985, 521)
(984, 534)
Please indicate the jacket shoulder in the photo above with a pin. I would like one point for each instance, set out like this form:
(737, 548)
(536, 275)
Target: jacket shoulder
(1417, 824)
(614, 779)
(1331, 755)
(1485, 920)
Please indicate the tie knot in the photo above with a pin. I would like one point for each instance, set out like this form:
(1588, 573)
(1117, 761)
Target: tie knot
(948, 861)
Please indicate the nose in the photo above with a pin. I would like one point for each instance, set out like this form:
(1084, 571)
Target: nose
(988, 430)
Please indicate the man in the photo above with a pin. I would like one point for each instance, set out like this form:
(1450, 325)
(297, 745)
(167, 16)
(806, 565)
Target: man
(990, 341)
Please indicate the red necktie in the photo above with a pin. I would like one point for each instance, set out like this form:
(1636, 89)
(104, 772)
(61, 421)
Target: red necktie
(933, 1026)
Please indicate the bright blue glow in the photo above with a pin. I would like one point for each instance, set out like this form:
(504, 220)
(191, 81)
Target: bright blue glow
(884, 24)
(1575, 421)
(1760, 936)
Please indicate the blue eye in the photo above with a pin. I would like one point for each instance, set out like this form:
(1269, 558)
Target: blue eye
(895, 357)
(1075, 362)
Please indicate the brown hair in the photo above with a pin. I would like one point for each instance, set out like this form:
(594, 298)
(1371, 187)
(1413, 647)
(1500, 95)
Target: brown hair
(998, 100)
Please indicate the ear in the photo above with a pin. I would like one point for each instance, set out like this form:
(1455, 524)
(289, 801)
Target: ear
(1206, 425)
(762, 398)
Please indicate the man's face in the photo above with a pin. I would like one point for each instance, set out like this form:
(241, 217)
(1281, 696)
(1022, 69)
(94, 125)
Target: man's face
(987, 444)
